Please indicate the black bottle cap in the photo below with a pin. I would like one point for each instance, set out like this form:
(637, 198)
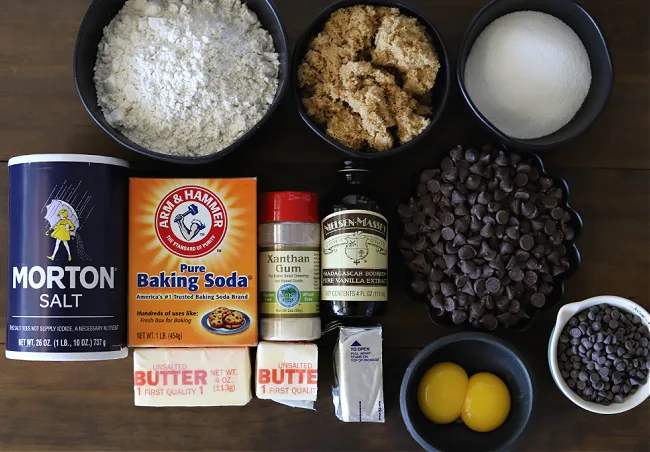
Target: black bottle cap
(353, 165)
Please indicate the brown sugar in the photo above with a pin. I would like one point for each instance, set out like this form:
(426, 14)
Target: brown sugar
(367, 77)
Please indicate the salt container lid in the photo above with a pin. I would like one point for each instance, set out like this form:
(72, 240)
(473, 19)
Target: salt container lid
(72, 158)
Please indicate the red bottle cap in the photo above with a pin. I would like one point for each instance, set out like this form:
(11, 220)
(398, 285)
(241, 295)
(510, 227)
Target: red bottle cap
(298, 206)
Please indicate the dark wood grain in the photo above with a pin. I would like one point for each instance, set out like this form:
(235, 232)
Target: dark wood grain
(88, 406)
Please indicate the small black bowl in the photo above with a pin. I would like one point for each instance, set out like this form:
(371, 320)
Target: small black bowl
(440, 91)
(554, 298)
(474, 352)
(576, 17)
(101, 12)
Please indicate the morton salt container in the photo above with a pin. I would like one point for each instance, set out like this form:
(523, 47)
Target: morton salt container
(66, 286)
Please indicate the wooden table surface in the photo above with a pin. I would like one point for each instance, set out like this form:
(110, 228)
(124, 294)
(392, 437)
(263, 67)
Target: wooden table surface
(89, 406)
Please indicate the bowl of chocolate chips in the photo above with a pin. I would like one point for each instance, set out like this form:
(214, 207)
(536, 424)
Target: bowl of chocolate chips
(599, 354)
(488, 239)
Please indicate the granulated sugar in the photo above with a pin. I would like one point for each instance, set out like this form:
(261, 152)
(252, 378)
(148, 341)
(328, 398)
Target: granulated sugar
(185, 77)
(528, 73)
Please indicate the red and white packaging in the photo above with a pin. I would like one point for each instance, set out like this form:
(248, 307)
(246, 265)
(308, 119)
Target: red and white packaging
(287, 373)
(191, 376)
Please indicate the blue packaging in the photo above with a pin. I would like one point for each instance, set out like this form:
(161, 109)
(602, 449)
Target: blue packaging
(67, 252)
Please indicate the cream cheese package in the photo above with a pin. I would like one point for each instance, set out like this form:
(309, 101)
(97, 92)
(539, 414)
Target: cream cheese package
(287, 373)
(191, 376)
(358, 393)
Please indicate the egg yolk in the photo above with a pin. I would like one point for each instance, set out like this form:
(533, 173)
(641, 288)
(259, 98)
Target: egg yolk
(487, 402)
(442, 391)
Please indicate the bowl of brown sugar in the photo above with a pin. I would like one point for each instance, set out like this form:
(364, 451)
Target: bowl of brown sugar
(371, 78)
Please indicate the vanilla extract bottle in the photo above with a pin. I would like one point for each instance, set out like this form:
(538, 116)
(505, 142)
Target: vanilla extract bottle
(354, 249)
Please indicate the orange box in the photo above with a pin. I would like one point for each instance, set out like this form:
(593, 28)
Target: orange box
(192, 262)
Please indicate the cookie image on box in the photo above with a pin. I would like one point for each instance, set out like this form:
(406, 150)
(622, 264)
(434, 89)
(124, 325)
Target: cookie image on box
(223, 320)
(215, 319)
(234, 319)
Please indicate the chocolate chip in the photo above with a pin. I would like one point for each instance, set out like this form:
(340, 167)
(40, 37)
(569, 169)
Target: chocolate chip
(538, 300)
(450, 304)
(447, 219)
(527, 242)
(530, 278)
(484, 198)
(493, 285)
(489, 322)
(521, 179)
(458, 317)
(549, 201)
(466, 252)
(448, 233)
(516, 274)
(433, 186)
(529, 210)
(419, 286)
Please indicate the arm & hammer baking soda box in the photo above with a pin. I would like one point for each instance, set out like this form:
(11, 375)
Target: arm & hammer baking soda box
(192, 262)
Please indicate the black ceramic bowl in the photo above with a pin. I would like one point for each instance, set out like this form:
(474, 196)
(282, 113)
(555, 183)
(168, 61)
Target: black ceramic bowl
(474, 352)
(99, 15)
(554, 298)
(440, 90)
(575, 16)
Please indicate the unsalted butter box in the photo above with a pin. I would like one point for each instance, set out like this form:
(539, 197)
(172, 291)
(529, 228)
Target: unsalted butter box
(286, 371)
(192, 262)
(191, 376)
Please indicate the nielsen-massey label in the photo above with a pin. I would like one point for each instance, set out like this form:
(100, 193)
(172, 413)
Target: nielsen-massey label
(354, 256)
(289, 282)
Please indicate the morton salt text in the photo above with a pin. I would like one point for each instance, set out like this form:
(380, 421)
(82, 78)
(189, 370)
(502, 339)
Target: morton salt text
(188, 280)
(72, 277)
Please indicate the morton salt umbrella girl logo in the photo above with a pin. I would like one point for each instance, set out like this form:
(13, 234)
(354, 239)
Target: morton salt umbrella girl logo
(62, 232)
(64, 226)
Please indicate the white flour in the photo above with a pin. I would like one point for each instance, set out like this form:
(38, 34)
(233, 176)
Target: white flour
(185, 77)
(528, 73)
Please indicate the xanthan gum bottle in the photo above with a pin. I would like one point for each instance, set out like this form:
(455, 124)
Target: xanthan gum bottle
(289, 265)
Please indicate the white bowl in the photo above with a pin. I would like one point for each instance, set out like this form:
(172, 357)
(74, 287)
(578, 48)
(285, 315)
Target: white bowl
(563, 317)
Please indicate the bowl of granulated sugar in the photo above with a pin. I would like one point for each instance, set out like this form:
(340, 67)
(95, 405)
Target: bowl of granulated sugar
(186, 82)
(536, 73)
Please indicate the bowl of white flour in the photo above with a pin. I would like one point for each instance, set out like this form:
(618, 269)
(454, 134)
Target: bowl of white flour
(536, 73)
(185, 81)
